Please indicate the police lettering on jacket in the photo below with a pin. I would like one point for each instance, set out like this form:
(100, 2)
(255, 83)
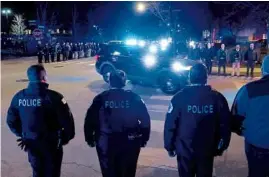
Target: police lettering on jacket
(116, 104)
(30, 102)
(200, 109)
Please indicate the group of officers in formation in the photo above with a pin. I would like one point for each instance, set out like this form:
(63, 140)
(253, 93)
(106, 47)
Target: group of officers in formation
(65, 51)
(198, 125)
(236, 57)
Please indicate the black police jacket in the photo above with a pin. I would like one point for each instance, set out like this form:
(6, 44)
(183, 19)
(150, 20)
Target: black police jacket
(221, 55)
(209, 54)
(197, 119)
(39, 113)
(236, 56)
(114, 112)
(251, 56)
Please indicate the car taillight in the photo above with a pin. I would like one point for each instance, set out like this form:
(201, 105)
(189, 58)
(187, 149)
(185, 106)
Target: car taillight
(97, 57)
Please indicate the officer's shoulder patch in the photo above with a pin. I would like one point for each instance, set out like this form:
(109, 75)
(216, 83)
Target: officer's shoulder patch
(63, 101)
(170, 108)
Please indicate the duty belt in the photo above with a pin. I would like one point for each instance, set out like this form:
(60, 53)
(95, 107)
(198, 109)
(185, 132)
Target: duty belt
(134, 136)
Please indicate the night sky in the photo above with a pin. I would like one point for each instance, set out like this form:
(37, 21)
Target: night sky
(118, 16)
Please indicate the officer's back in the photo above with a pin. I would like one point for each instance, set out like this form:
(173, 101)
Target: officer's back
(118, 123)
(42, 121)
(196, 122)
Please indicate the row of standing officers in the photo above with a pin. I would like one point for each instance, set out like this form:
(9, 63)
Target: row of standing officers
(235, 58)
(65, 51)
(197, 128)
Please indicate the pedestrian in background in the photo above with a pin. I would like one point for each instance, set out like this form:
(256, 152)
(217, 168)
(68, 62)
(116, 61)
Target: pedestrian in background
(222, 59)
(236, 59)
(251, 57)
(251, 119)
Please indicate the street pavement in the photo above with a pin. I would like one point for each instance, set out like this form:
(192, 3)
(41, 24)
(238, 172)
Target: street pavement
(79, 83)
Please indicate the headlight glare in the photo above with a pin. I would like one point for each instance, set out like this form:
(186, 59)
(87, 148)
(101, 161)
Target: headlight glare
(149, 61)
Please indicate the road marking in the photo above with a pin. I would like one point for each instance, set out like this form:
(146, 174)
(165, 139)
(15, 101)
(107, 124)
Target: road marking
(161, 97)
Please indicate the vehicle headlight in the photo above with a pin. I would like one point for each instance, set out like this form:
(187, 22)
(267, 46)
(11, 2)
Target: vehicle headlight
(141, 43)
(177, 66)
(116, 53)
(153, 49)
(131, 42)
(149, 61)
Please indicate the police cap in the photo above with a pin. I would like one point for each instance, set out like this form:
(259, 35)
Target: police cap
(117, 79)
(36, 73)
(198, 74)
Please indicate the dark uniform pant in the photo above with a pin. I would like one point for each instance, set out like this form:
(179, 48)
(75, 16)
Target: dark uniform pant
(47, 58)
(118, 159)
(65, 56)
(258, 161)
(39, 56)
(250, 66)
(52, 57)
(45, 161)
(58, 57)
(209, 66)
(222, 65)
(195, 166)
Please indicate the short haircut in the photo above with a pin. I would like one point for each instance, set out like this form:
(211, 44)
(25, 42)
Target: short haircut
(34, 73)
(198, 74)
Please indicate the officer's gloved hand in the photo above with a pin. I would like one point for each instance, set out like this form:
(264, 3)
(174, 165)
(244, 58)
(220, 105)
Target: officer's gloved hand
(172, 153)
(22, 144)
(220, 148)
(143, 144)
(91, 144)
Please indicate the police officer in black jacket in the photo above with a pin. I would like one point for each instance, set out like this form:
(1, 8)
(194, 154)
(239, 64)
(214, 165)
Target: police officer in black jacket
(39, 52)
(52, 52)
(222, 59)
(209, 56)
(251, 58)
(197, 126)
(118, 124)
(47, 53)
(43, 122)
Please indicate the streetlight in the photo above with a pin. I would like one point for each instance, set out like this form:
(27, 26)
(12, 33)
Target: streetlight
(6, 12)
(141, 7)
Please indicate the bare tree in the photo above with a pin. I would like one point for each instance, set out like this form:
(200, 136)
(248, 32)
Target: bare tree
(255, 18)
(18, 25)
(41, 13)
(74, 22)
(161, 10)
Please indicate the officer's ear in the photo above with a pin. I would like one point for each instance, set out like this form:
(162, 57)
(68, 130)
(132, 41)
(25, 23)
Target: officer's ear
(43, 76)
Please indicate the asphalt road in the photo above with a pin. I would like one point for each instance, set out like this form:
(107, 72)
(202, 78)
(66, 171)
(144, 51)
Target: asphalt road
(79, 83)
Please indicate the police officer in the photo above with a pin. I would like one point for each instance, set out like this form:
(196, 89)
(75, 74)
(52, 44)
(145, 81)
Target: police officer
(197, 126)
(222, 59)
(43, 122)
(39, 52)
(251, 119)
(209, 56)
(119, 124)
(251, 58)
(58, 50)
(235, 59)
(52, 52)
(47, 53)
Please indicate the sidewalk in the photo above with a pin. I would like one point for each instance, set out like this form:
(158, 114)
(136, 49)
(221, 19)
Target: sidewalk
(243, 71)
